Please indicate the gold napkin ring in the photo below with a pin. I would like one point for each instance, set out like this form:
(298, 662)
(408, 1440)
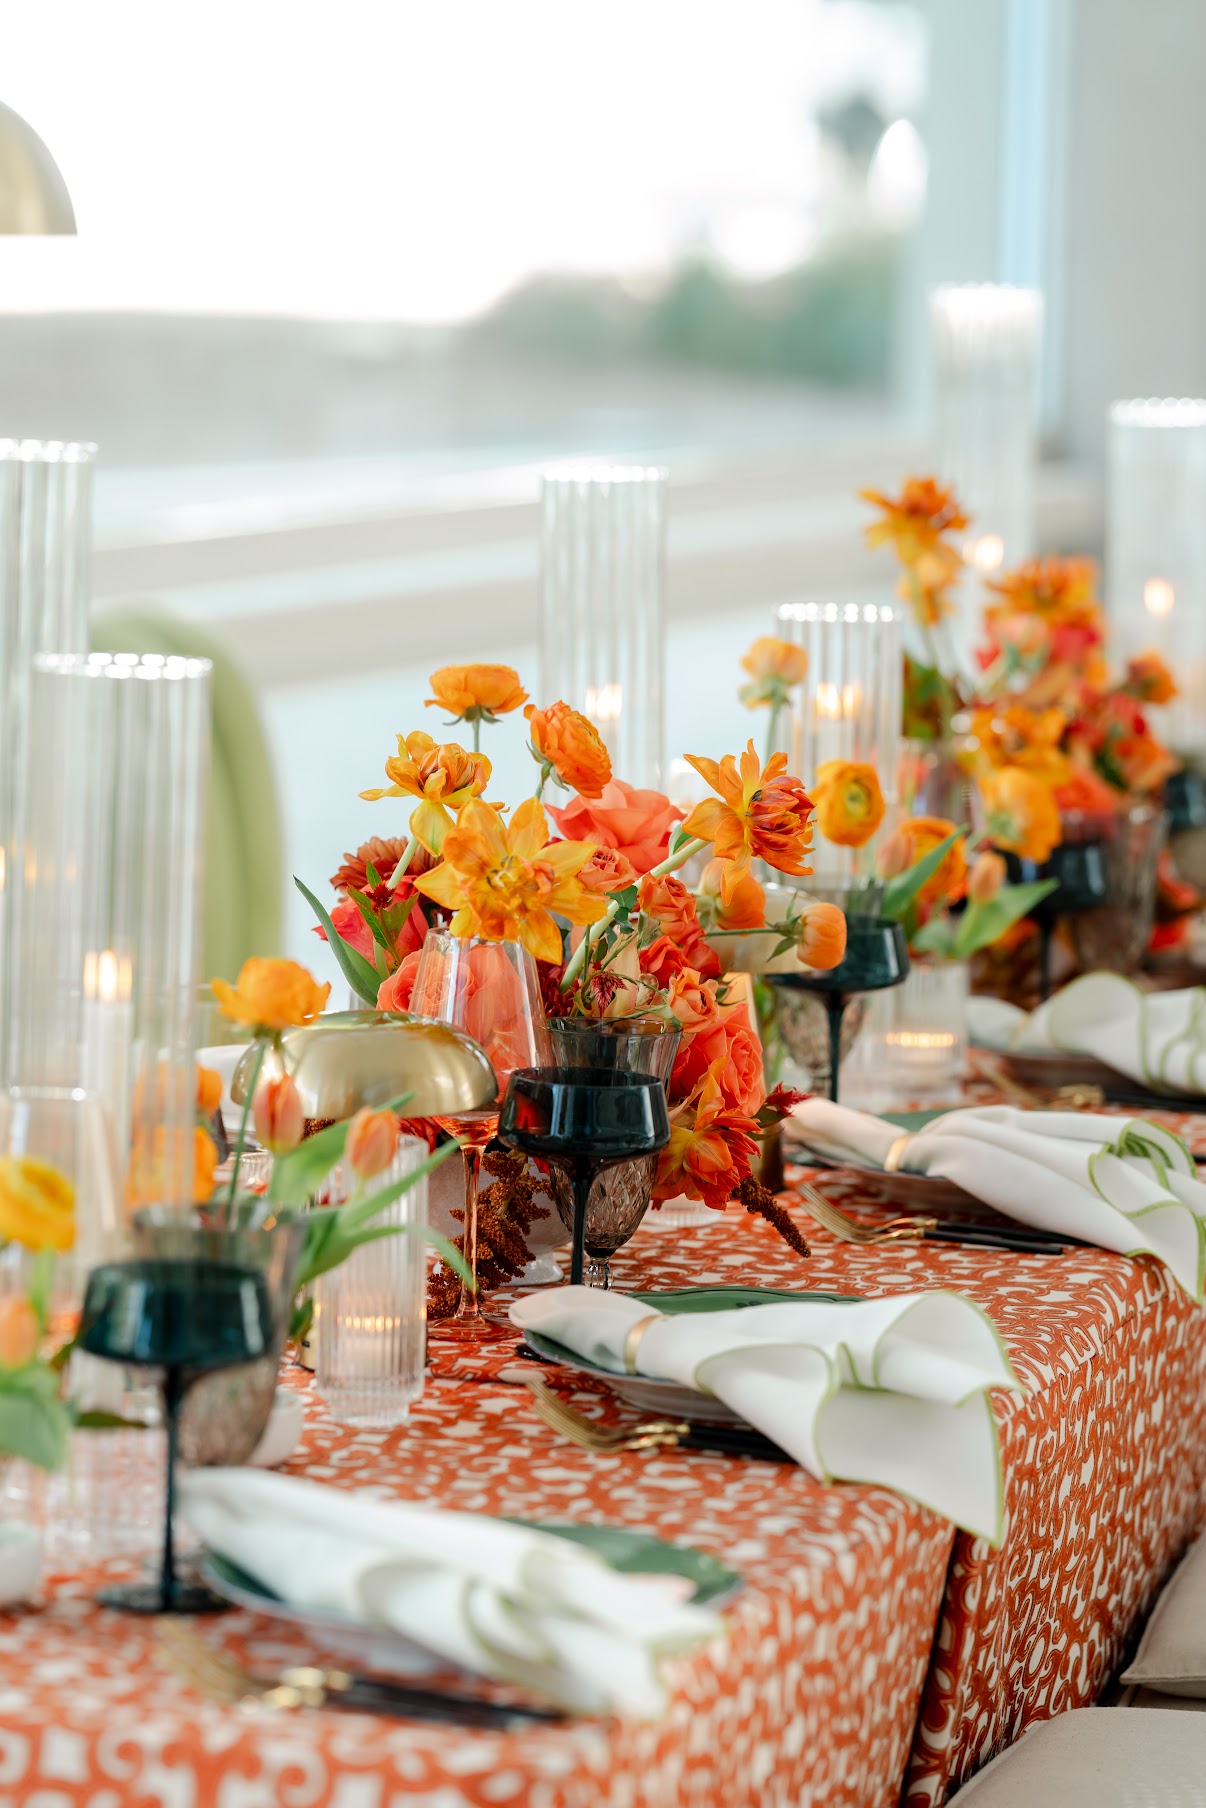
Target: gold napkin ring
(895, 1155)
(632, 1342)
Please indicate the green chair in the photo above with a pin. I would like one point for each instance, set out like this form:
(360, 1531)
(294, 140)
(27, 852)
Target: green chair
(243, 887)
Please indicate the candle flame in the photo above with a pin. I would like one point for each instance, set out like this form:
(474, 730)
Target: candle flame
(921, 1039)
(834, 705)
(107, 976)
(603, 704)
(987, 553)
(1158, 596)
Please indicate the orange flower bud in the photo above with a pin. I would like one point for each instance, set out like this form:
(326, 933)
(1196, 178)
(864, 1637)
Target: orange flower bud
(372, 1142)
(19, 1333)
(822, 936)
(280, 1121)
(209, 1091)
(895, 855)
(986, 878)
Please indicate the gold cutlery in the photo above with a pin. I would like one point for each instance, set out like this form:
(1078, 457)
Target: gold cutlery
(651, 1434)
(1022, 1239)
(1079, 1097)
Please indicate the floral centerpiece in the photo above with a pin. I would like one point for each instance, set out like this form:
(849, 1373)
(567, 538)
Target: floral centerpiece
(590, 887)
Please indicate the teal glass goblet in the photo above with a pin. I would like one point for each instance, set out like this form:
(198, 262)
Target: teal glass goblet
(876, 957)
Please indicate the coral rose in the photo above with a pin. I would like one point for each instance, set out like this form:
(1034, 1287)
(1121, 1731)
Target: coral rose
(271, 995)
(571, 745)
(607, 872)
(280, 1119)
(1022, 812)
(729, 1049)
(20, 1333)
(663, 960)
(986, 878)
(37, 1204)
(667, 902)
(635, 823)
(476, 693)
(849, 803)
(822, 936)
(949, 883)
(372, 1142)
(394, 993)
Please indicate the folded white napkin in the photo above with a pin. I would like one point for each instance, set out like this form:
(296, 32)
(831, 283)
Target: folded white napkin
(498, 1599)
(887, 1391)
(1156, 1038)
(1120, 1182)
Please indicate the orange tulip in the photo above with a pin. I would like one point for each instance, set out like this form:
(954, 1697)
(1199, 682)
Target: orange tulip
(37, 1204)
(986, 878)
(271, 995)
(209, 1091)
(734, 897)
(822, 936)
(849, 803)
(774, 666)
(895, 855)
(280, 1117)
(476, 693)
(949, 884)
(441, 775)
(1022, 812)
(20, 1333)
(758, 812)
(571, 745)
(505, 882)
(372, 1142)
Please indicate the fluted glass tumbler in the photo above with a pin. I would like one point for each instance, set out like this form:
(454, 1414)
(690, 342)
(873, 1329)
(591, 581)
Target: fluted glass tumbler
(371, 1311)
(602, 610)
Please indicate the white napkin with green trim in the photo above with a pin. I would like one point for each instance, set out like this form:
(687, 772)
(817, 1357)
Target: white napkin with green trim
(892, 1392)
(502, 1600)
(1121, 1182)
(1156, 1038)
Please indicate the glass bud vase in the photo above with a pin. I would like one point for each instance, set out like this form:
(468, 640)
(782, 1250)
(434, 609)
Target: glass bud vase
(915, 1039)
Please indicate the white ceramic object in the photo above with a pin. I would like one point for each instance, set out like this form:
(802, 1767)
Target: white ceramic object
(283, 1432)
(20, 1563)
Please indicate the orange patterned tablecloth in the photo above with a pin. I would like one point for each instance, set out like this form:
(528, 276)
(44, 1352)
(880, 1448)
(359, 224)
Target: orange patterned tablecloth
(853, 1665)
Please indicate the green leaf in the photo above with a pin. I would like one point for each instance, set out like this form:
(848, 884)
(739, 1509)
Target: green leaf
(297, 1176)
(360, 974)
(935, 937)
(333, 1232)
(983, 924)
(900, 891)
(370, 917)
(34, 1423)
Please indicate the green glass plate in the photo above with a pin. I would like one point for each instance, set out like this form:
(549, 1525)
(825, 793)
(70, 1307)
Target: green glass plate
(729, 1299)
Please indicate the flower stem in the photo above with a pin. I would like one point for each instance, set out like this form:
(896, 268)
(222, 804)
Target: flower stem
(262, 1050)
(670, 864)
(477, 734)
(403, 866)
(772, 730)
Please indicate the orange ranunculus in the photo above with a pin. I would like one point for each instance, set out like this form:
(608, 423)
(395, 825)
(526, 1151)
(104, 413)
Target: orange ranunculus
(571, 745)
(1149, 679)
(372, 1142)
(1022, 812)
(1015, 735)
(608, 872)
(37, 1204)
(441, 775)
(667, 902)
(635, 823)
(711, 1150)
(280, 1117)
(729, 1049)
(271, 995)
(915, 524)
(209, 1091)
(506, 882)
(733, 897)
(757, 812)
(157, 1163)
(20, 1333)
(986, 877)
(476, 693)
(849, 803)
(949, 883)
(822, 936)
(393, 994)
(774, 666)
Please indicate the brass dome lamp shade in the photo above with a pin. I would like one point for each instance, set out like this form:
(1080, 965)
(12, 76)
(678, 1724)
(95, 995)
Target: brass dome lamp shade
(33, 195)
(353, 1059)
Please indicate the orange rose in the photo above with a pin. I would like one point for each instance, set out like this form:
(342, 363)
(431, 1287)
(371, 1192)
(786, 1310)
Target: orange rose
(271, 995)
(1022, 812)
(608, 871)
(569, 744)
(20, 1333)
(986, 878)
(372, 1142)
(849, 803)
(663, 960)
(476, 693)
(949, 883)
(822, 936)
(209, 1091)
(729, 1049)
(280, 1119)
(734, 898)
(393, 994)
(668, 903)
(635, 823)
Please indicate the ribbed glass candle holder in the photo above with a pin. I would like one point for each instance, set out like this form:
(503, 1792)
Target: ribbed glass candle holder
(108, 900)
(45, 550)
(371, 1312)
(1156, 549)
(602, 621)
(848, 706)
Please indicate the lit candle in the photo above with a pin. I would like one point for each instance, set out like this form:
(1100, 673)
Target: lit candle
(108, 1022)
(985, 554)
(604, 706)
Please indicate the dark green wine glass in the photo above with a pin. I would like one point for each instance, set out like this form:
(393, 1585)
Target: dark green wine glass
(584, 1119)
(1082, 882)
(186, 1318)
(876, 957)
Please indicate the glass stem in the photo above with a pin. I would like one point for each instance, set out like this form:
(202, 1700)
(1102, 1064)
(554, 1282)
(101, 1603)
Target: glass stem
(835, 1005)
(469, 1305)
(247, 1104)
(584, 1174)
(174, 1387)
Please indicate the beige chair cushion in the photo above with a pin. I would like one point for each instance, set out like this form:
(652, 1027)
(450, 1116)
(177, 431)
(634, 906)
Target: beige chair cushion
(1099, 1758)
(1172, 1654)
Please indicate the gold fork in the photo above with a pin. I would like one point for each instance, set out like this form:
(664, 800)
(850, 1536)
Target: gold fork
(1083, 1097)
(827, 1215)
(588, 1434)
